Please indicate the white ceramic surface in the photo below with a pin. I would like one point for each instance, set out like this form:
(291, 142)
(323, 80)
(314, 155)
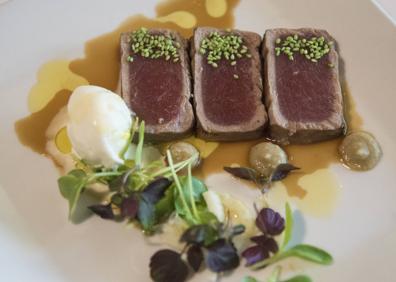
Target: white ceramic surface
(37, 243)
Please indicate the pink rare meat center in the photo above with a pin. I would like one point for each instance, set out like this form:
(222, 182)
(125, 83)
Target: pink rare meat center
(227, 100)
(305, 89)
(156, 87)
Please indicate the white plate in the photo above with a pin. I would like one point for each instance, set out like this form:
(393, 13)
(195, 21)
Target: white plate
(39, 244)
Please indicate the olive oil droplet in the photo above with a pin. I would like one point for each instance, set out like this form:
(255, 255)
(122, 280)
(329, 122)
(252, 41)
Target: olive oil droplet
(62, 141)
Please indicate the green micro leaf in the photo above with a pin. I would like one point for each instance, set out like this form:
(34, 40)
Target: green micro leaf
(249, 279)
(130, 139)
(189, 194)
(205, 216)
(299, 278)
(183, 208)
(71, 186)
(309, 253)
(302, 251)
(276, 273)
(139, 148)
(79, 173)
(198, 188)
(184, 213)
(288, 227)
(165, 207)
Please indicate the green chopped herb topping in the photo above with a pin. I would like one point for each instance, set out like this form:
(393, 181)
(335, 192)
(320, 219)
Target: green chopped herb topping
(153, 46)
(312, 49)
(226, 46)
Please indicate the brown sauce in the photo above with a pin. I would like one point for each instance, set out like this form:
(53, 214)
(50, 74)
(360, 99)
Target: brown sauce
(309, 158)
(101, 63)
(31, 129)
(100, 66)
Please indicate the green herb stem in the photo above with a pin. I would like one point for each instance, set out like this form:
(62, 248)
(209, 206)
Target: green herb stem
(190, 186)
(131, 135)
(139, 148)
(166, 171)
(302, 251)
(102, 174)
(289, 227)
(275, 258)
(178, 185)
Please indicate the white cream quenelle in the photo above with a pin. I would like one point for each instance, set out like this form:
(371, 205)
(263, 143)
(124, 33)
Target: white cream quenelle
(99, 125)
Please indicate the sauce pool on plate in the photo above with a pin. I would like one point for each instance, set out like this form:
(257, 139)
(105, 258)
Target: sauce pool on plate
(100, 66)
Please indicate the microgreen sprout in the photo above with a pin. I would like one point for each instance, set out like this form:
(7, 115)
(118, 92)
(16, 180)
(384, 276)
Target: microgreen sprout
(131, 177)
(266, 251)
(134, 126)
(190, 187)
(139, 148)
(275, 277)
(205, 245)
(178, 185)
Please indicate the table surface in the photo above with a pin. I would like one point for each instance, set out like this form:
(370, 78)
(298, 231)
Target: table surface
(389, 8)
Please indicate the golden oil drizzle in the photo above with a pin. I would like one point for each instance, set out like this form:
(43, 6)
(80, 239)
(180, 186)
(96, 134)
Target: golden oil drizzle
(313, 159)
(100, 66)
(322, 192)
(62, 141)
(52, 77)
(216, 8)
(31, 129)
(101, 63)
(181, 18)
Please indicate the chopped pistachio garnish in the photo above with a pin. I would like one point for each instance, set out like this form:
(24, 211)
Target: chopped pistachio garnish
(153, 46)
(226, 46)
(312, 49)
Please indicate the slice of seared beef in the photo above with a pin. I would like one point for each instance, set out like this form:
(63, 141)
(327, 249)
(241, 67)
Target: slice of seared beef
(157, 88)
(228, 94)
(302, 94)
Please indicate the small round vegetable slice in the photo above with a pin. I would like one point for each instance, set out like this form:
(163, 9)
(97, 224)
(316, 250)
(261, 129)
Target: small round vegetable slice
(182, 151)
(360, 151)
(266, 156)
